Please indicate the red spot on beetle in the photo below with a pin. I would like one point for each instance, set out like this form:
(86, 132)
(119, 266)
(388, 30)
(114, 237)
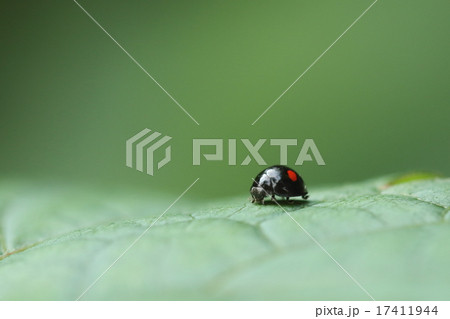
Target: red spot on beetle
(292, 175)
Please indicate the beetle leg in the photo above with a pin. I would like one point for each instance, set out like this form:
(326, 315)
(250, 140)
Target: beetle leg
(287, 198)
(272, 198)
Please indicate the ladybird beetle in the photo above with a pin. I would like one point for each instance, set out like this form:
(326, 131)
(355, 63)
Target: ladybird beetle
(277, 180)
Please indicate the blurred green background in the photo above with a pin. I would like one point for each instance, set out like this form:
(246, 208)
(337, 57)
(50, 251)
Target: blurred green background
(376, 103)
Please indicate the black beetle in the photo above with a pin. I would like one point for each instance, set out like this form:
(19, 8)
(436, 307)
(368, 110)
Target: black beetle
(277, 180)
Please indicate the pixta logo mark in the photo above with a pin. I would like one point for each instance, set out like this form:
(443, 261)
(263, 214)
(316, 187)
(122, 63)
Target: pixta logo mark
(143, 145)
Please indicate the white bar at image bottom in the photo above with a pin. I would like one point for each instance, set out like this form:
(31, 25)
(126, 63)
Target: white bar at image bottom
(225, 309)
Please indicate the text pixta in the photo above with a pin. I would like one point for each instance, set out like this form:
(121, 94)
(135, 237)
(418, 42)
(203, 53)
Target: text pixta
(308, 151)
(337, 311)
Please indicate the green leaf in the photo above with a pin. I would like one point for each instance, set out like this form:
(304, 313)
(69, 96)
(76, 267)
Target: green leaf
(392, 237)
